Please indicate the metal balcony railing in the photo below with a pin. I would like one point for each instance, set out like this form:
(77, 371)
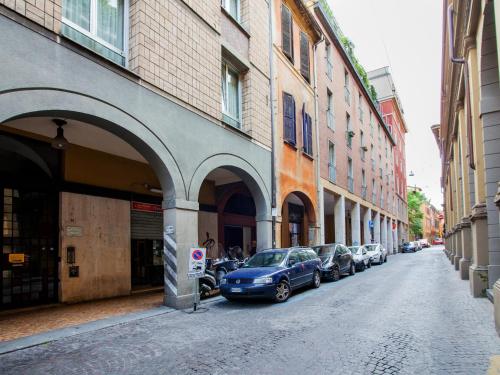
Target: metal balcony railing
(332, 172)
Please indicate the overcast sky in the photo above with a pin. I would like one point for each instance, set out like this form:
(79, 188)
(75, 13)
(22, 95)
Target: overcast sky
(405, 35)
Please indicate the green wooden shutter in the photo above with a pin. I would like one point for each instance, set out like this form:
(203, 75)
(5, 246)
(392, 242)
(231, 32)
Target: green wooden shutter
(304, 56)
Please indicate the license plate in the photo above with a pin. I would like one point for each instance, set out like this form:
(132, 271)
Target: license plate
(236, 290)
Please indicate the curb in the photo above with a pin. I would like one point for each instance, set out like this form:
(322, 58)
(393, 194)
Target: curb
(61, 333)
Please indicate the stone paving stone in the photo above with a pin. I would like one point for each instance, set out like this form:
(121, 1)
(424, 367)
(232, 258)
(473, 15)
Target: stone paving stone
(412, 315)
(29, 322)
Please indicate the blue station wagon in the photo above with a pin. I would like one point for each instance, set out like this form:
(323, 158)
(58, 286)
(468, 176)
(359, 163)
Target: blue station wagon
(273, 274)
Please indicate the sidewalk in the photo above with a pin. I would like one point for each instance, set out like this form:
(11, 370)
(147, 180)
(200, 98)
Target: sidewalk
(22, 323)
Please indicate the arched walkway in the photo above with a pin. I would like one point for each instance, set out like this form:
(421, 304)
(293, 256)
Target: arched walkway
(298, 220)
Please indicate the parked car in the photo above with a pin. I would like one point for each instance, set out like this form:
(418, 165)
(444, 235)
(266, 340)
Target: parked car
(424, 243)
(409, 247)
(377, 252)
(438, 241)
(273, 274)
(417, 245)
(361, 258)
(336, 259)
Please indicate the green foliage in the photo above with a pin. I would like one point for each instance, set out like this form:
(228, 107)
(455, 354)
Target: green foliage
(349, 48)
(415, 214)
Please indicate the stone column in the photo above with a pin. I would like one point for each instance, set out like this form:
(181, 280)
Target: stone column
(466, 260)
(356, 224)
(367, 217)
(458, 246)
(322, 215)
(339, 210)
(264, 232)
(478, 272)
(396, 238)
(383, 232)
(496, 287)
(180, 233)
(390, 237)
(376, 228)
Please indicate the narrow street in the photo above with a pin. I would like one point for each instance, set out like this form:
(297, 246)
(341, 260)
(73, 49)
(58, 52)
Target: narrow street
(409, 316)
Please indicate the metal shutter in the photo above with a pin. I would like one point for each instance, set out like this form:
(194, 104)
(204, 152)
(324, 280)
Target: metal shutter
(146, 225)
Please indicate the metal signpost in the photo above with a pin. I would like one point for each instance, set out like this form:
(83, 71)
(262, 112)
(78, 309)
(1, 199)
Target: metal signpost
(196, 269)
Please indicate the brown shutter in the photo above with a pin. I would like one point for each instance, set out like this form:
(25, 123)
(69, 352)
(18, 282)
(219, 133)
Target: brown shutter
(286, 32)
(304, 56)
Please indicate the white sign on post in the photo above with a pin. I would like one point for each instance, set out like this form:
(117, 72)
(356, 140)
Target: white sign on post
(196, 267)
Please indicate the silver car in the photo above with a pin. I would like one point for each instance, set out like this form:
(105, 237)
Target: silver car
(361, 258)
(377, 252)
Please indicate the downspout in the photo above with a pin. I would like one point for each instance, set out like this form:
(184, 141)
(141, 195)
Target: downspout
(273, 125)
(316, 126)
(455, 60)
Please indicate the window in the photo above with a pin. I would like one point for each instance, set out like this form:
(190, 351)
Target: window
(289, 133)
(330, 119)
(97, 25)
(374, 192)
(360, 108)
(331, 162)
(231, 95)
(363, 184)
(372, 156)
(363, 147)
(349, 132)
(287, 32)
(379, 134)
(306, 131)
(232, 7)
(304, 56)
(371, 124)
(329, 61)
(386, 149)
(381, 196)
(347, 93)
(350, 178)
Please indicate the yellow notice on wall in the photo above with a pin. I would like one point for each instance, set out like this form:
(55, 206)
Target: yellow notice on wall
(16, 258)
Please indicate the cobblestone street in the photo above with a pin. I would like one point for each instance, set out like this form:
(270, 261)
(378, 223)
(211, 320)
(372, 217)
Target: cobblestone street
(411, 315)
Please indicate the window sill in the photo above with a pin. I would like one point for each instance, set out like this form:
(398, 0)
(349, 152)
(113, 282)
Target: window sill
(227, 125)
(307, 156)
(235, 22)
(290, 144)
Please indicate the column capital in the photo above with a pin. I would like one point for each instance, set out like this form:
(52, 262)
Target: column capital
(478, 212)
(182, 204)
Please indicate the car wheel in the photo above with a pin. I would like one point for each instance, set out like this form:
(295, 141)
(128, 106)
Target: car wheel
(335, 274)
(316, 280)
(282, 291)
(352, 271)
(363, 266)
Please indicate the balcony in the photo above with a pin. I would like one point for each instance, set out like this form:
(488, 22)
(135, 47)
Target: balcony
(332, 172)
(347, 95)
(329, 69)
(363, 192)
(350, 184)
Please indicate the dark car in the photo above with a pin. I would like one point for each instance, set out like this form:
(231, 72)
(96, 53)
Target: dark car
(273, 274)
(336, 259)
(409, 247)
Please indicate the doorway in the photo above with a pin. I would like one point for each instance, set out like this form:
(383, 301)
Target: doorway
(147, 263)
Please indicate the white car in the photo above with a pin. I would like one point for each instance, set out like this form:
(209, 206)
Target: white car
(361, 258)
(377, 252)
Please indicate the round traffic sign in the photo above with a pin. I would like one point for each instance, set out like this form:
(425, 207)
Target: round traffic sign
(197, 255)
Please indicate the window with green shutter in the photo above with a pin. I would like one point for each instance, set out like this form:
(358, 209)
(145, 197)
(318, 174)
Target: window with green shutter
(289, 134)
(304, 56)
(287, 32)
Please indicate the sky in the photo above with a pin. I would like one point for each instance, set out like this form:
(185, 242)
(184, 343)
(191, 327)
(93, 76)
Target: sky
(405, 35)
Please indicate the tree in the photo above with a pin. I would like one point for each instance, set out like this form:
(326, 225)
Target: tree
(415, 214)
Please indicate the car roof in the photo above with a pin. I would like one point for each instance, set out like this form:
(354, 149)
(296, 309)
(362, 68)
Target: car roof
(284, 249)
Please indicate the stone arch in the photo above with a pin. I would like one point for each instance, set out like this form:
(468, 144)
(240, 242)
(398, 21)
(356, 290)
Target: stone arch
(308, 202)
(20, 148)
(57, 103)
(241, 168)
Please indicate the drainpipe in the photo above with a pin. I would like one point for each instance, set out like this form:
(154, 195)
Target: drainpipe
(455, 60)
(273, 125)
(316, 126)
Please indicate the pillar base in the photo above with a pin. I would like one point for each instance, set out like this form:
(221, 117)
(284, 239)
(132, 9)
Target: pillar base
(179, 302)
(496, 296)
(456, 262)
(463, 267)
(478, 276)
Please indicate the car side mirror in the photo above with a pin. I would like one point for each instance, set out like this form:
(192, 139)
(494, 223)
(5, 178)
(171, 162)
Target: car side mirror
(291, 262)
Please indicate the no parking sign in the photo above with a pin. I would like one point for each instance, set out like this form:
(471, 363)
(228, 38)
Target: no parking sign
(196, 267)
